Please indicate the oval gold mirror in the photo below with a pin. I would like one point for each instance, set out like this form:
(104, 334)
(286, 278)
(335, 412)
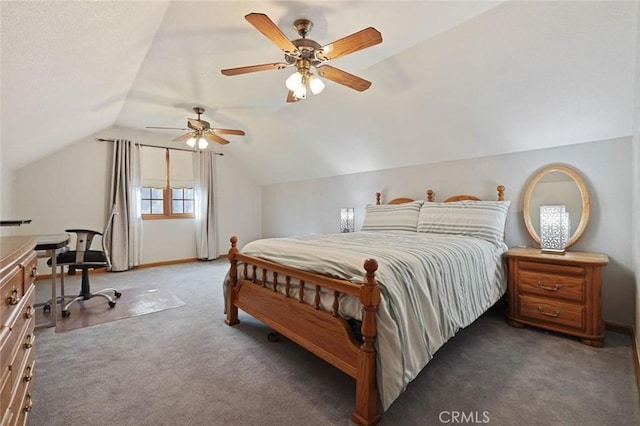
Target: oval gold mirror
(557, 184)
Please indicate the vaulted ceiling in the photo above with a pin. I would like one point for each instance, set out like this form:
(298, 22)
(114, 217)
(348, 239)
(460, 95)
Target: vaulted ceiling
(451, 79)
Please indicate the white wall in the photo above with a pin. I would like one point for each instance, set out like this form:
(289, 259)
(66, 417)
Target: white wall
(68, 189)
(313, 206)
(6, 204)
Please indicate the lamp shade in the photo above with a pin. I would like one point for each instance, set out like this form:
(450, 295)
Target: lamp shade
(554, 228)
(316, 85)
(300, 92)
(191, 142)
(294, 81)
(202, 143)
(346, 219)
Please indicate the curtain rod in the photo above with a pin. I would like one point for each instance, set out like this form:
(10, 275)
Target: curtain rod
(157, 146)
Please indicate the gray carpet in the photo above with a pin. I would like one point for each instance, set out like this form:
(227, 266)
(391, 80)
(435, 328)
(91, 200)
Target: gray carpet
(186, 367)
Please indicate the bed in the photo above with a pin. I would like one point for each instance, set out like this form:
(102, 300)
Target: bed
(377, 303)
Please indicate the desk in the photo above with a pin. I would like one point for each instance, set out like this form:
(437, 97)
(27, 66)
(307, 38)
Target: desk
(50, 244)
(17, 222)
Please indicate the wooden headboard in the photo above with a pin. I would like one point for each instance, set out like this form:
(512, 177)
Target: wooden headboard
(431, 197)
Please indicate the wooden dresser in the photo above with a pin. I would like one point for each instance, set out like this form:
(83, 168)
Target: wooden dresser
(18, 270)
(562, 293)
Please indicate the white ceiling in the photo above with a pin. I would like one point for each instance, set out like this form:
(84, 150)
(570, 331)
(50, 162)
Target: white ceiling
(451, 79)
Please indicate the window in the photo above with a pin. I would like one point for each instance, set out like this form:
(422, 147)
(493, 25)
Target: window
(182, 200)
(152, 200)
(167, 184)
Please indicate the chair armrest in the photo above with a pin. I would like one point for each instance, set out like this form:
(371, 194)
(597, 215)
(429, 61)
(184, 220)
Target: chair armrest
(88, 231)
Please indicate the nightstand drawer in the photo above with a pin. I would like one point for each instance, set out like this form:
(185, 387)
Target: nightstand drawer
(552, 312)
(552, 268)
(549, 285)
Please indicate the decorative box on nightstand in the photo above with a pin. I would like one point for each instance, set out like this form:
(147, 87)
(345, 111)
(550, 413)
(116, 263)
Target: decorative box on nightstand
(562, 293)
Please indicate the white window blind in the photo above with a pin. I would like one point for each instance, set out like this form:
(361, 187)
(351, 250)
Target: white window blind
(153, 171)
(181, 169)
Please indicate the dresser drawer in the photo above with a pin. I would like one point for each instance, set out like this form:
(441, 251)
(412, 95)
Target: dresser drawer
(29, 269)
(568, 287)
(549, 311)
(18, 279)
(11, 291)
(5, 389)
(21, 330)
(22, 403)
(7, 344)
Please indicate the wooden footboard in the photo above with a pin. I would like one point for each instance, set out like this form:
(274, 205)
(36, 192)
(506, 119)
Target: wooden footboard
(254, 289)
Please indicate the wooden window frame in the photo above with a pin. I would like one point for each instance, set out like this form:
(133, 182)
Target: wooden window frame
(167, 199)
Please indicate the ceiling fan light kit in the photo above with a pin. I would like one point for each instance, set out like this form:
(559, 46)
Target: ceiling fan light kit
(305, 54)
(202, 142)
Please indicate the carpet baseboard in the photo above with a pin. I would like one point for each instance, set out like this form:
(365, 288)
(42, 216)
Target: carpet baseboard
(141, 266)
(629, 330)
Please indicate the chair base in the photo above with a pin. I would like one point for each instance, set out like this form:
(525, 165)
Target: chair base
(112, 303)
(86, 294)
(46, 307)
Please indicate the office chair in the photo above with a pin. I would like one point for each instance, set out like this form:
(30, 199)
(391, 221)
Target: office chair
(84, 258)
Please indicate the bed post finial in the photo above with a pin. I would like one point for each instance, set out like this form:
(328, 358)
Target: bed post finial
(378, 195)
(430, 195)
(232, 309)
(500, 192)
(366, 412)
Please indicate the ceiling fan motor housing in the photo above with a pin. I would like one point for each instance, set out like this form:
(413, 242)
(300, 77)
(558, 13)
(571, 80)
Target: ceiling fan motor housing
(307, 49)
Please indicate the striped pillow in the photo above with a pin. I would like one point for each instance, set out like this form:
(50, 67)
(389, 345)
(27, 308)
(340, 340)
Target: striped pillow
(392, 217)
(480, 219)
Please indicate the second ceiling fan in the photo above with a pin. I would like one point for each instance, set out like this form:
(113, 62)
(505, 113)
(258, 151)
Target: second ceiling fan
(200, 132)
(305, 54)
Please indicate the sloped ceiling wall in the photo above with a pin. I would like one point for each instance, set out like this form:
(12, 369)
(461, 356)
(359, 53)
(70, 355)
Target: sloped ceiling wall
(451, 80)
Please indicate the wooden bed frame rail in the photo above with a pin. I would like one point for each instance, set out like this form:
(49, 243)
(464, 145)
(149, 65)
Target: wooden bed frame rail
(254, 289)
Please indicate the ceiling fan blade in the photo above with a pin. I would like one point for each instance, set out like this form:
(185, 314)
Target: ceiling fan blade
(254, 68)
(343, 77)
(228, 131)
(215, 138)
(184, 137)
(351, 43)
(195, 124)
(291, 98)
(166, 128)
(267, 27)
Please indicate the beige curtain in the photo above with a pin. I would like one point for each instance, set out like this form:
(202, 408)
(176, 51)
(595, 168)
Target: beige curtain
(206, 222)
(125, 239)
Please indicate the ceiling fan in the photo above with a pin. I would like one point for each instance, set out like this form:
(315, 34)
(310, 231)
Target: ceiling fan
(201, 132)
(305, 54)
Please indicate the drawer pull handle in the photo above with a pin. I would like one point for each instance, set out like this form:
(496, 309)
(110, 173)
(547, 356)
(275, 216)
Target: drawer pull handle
(14, 297)
(28, 313)
(544, 287)
(549, 314)
(34, 272)
(28, 343)
(29, 405)
(28, 374)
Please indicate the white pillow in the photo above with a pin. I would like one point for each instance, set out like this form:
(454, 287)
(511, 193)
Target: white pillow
(480, 219)
(392, 217)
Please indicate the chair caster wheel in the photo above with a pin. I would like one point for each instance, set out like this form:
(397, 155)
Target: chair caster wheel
(46, 308)
(112, 304)
(65, 313)
(117, 294)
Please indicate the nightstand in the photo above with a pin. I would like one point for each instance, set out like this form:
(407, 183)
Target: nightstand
(561, 293)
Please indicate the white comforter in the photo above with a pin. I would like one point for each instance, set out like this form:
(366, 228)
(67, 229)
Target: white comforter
(432, 286)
